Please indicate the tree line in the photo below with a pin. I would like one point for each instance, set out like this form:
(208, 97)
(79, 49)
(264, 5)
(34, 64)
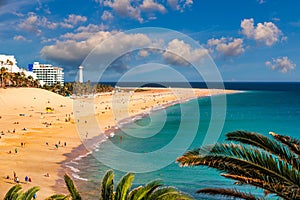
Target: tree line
(19, 79)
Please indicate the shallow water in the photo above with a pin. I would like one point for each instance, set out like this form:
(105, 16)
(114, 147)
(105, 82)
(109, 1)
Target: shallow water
(258, 111)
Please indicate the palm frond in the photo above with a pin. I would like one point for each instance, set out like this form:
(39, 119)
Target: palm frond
(169, 193)
(28, 195)
(123, 186)
(265, 143)
(12, 192)
(143, 192)
(227, 193)
(58, 197)
(292, 143)
(107, 186)
(276, 188)
(239, 159)
(72, 189)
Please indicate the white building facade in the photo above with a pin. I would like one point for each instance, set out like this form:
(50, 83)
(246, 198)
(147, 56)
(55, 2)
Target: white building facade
(9, 62)
(47, 73)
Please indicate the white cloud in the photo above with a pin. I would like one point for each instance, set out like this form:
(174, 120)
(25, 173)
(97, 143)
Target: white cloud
(30, 24)
(267, 32)
(180, 53)
(106, 16)
(34, 23)
(124, 8)
(227, 47)
(76, 47)
(180, 5)
(143, 53)
(19, 38)
(75, 19)
(142, 10)
(283, 64)
(151, 6)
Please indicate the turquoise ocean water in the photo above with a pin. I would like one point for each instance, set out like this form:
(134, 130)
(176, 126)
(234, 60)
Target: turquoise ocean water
(259, 111)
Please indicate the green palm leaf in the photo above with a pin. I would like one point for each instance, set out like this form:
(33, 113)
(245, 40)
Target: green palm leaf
(232, 193)
(28, 195)
(292, 143)
(107, 186)
(248, 160)
(277, 188)
(58, 197)
(143, 192)
(12, 192)
(72, 189)
(168, 193)
(123, 186)
(263, 142)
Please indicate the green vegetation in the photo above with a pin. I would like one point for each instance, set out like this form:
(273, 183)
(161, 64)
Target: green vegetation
(16, 193)
(16, 79)
(151, 191)
(8, 79)
(271, 164)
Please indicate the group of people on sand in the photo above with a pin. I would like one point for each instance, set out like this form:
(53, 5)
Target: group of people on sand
(17, 180)
(58, 144)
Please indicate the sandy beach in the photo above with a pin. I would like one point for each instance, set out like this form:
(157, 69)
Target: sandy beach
(35, 142)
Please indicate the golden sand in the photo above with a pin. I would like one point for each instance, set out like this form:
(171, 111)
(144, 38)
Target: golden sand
(23, 119)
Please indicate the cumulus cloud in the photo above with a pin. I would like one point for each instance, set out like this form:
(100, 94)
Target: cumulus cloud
(106, 16)
(150, 6)
(124, 8)
(267, 33)
(30, 24)
(19, 38)
(34, 23)
(283, 64)
(180, 5)
(180, 53)
(142, 10)
(73, 50)
(75, 19)
(227, 47)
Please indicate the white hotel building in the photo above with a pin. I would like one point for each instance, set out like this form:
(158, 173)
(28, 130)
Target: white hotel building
(47, 73)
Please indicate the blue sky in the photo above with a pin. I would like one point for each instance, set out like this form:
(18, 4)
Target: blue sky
(253, 40)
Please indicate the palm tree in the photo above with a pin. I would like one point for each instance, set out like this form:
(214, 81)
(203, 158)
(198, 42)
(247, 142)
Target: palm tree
(269, 163)
(16, 193)
(151, 191)
(2, 72)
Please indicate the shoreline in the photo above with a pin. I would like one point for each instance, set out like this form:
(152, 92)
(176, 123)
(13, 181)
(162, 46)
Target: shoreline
(37, 158)
(81, 151)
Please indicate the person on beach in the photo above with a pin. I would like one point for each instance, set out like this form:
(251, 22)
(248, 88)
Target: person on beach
(16, 179)
(56, 146)
(65, 144)
(16, 150)
(34, 196)
(26, 179)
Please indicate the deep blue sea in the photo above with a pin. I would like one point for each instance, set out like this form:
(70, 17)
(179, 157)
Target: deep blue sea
(260, 109)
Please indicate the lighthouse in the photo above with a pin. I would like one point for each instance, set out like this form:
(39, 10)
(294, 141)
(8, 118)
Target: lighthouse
(80, 74)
